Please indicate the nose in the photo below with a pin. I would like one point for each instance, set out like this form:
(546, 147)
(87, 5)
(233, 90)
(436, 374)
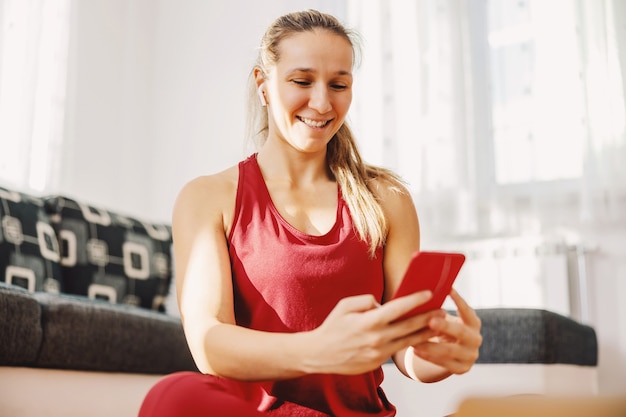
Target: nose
(320, 99)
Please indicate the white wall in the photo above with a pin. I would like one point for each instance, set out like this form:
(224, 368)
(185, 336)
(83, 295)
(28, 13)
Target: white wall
(107, 153)
(157, 95)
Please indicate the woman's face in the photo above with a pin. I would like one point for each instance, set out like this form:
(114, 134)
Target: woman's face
(309, 90)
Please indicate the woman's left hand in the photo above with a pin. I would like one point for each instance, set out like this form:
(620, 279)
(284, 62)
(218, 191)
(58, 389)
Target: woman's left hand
(456, 346)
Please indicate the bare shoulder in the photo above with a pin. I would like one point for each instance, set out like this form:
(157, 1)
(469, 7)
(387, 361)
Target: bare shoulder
(392, 193)
(207, 198)
(401, 214)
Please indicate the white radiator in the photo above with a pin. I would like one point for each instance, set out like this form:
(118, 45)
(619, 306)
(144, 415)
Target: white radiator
(529, 272)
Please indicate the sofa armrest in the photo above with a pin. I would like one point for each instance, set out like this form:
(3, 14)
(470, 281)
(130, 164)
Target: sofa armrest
(519, 335)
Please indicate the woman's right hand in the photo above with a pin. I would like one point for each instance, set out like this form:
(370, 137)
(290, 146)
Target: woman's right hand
(359, 334)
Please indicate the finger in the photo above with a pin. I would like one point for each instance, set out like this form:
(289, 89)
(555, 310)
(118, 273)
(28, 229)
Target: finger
(453, 357)
(466, 313)
(356, 304)
(451, 365)
(396, 308)
(456, 330)
(413, 339)
(400, 334)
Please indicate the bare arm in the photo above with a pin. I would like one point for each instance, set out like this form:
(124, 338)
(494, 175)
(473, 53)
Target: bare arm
(204, 287)
(453, 342)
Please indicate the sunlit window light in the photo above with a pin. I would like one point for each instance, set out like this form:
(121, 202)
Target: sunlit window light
(33, 62)
(538, 113)
(50, 90)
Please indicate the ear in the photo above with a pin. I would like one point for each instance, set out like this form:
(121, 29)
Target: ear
(261, 94)
(259, 79)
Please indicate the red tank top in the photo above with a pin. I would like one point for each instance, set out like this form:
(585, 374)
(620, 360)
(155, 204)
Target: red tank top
(285, 280)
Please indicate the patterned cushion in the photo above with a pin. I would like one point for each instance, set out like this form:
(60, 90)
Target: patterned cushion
(105, 255)
(29, 251)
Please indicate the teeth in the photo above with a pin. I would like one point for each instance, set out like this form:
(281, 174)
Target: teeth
(313, 123)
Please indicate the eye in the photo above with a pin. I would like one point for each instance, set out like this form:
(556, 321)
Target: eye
(338, 87)
(302, 83)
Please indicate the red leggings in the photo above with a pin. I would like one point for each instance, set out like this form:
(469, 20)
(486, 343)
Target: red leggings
(192, 394)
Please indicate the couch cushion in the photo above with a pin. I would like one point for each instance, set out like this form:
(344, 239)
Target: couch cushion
(94, 335)
(29, 251)
(105, 255)
(20, 326)
(517, 335)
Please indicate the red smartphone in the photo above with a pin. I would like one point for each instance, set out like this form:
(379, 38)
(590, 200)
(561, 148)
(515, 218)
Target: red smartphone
(434, 271)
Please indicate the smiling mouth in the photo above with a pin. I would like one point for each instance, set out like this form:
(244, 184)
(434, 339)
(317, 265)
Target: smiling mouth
(313, 123)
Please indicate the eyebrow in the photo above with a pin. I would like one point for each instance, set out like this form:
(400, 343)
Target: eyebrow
(311, 70)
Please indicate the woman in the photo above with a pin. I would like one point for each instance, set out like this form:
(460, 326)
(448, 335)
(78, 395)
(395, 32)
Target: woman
(287, 262)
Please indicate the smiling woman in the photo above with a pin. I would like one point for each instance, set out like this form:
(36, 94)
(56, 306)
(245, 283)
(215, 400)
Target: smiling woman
(286, 262)
(308, 102)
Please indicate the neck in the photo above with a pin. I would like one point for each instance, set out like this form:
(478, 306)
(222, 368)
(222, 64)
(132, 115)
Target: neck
(292, 165)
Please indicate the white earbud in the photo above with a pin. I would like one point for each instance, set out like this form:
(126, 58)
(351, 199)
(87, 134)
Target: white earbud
(262, 96)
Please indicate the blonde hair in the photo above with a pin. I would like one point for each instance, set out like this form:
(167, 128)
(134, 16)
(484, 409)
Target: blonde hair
(353, 176)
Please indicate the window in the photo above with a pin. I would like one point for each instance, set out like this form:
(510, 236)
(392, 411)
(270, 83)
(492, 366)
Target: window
(537, 93)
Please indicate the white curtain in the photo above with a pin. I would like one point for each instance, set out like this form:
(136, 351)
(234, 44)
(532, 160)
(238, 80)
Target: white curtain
(499, 113)
(604, 72)
(34, 38)
(413, 107)
(507, 118)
